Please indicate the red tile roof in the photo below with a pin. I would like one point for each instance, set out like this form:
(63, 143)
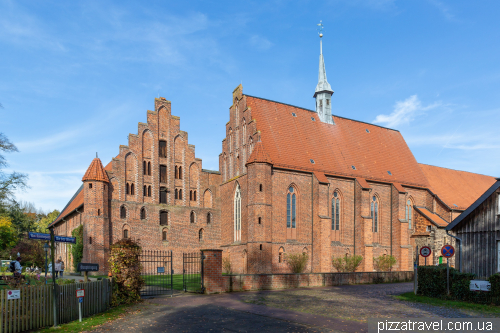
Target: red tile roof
(74, 203)
(259, 155)
(374, 151)
(457, 189)
(434, 218)
(96, 172)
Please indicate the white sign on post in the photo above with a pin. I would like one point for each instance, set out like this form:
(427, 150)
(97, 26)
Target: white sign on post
(479, 285)
(80, 293)
(14, 294)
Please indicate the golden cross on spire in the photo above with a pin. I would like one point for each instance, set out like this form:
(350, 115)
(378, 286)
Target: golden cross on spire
(320, 28)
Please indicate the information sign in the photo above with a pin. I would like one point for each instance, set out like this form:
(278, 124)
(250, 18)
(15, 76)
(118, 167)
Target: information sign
(80, 293)
(14, 294)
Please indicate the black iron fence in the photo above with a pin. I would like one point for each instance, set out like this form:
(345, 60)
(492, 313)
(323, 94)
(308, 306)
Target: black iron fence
(157, 273)
(192, 272)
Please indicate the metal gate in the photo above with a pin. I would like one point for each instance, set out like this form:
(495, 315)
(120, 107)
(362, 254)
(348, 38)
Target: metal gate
(157, 273)
(192, 272)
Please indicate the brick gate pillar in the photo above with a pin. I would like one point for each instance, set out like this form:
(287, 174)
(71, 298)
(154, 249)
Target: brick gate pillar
(212, 271)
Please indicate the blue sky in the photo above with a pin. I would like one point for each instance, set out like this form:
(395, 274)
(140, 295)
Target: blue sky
(76, 77)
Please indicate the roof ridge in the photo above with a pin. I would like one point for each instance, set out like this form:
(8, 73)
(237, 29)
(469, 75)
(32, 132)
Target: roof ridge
(475, 173)
(299, 107)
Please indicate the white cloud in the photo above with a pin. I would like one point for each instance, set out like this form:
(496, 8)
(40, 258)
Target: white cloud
(260, 42)
(404, 112)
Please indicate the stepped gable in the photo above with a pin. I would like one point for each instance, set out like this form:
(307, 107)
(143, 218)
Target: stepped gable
(259, 154)
(303, 142)
(96, 172)
(457, 189)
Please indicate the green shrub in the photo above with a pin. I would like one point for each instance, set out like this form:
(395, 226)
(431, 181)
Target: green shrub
(297, 261)
(347, 263)
(384, 263)
(126, 269)
(495, 288)
(77, 248)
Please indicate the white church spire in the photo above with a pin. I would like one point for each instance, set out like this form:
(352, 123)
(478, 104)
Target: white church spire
(323, 92)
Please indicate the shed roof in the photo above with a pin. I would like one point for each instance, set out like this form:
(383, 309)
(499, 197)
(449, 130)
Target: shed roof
(433, 217)
(476, 204)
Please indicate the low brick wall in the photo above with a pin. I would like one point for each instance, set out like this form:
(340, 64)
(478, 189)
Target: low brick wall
(244, 282)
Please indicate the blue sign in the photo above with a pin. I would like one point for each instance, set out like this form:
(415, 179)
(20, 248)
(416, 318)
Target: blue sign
(80, 299)
(448, 251)
(38, 235)
(160, 269)
(65, 239)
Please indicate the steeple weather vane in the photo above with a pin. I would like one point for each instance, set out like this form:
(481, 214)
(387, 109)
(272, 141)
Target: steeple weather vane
(320, 28)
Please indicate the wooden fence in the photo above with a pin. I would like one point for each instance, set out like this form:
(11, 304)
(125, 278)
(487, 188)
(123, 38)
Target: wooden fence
(35, 309)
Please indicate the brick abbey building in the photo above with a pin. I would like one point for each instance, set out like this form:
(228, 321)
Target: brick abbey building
(291, 180)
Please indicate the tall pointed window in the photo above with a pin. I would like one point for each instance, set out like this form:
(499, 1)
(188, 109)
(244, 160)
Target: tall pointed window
(143, 213)
(237, 214)
(127, 189)
(163, 149)
(149, 191)
(132, 189)
(176, 172)
(180, 172)
(176, 193)
(374, 214)
(149, 168)
(144, 168)
(409, 213)
(290, 208)
(291, 213)
(145, 191)
(192, 217)
(336, 211)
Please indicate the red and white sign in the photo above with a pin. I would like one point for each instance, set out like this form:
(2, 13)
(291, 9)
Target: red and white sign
(80, 293)
(14, 294)
(425, 251)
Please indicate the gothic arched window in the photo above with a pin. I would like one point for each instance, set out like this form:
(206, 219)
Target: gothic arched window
(143, 213)
(409, 213)
(281, 254)
(149, 168)
(145, 191)
(176, 172)
(127, 189)
(291, 200)
(180, 194)
(237, 214)
(164, 234)
(149, 191)
(144, 168)
(163, 218)
(163, 149)
(176, 193)
(132, 189)
(374, 213)
(200, 235)
(123, 212)
(336, 211)
(163, 195)
(209, 217)
(180, 172)
(192, 217)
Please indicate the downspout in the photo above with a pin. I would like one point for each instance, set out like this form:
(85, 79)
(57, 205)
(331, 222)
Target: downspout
(312, 221)
(459, 250)
(391, 219)
(354, 220)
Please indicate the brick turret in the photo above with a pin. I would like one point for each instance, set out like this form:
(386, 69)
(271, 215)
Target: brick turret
(260, 250)
(96, 216)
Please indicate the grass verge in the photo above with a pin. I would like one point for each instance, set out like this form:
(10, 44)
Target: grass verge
(411, 297)
(89, 323)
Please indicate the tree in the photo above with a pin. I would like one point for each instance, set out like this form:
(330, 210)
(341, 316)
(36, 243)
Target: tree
(43, 223)
(31, 252)
(77, 248)
(8, 234)
(9, 182)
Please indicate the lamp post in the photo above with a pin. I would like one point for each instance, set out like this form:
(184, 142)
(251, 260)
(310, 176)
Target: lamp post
(46, 249)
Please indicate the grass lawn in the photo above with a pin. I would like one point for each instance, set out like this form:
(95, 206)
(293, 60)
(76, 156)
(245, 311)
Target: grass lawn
(411, 297)
(164, 281)
(91, 323)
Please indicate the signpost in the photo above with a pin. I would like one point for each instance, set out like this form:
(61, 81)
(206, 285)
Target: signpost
(80, 294)
(85, 268)
(425, 251)
(448, 251)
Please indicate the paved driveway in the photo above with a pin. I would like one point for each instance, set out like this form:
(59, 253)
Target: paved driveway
(327, 309)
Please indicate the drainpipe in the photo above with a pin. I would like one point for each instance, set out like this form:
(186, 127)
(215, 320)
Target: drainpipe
(354, 220)
(312, 221)
(391, 221)
(459, 250)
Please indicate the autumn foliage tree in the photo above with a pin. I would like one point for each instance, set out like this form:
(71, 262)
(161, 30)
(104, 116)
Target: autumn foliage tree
(126, 269)
(8, 234)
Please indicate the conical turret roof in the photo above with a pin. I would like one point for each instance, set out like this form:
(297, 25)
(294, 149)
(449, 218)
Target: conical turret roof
(259, 154)
(96, 172)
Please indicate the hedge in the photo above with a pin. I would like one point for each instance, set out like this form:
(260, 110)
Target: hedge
(432, 283)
